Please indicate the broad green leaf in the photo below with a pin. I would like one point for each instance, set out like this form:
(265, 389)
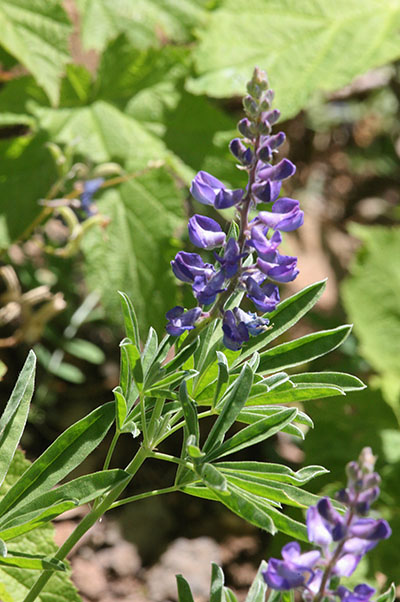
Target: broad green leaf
(16, 582)
(288, 313)
(376, 315)
(28, 561)
(37, 34)
(300, 47)
(346, 382)
(233, 403)
(135, 257)
(27, 172)
(274, 472)
(250, 435)
(146, 23)
(13, 419)
(66, 453)
(217, 583)
(84, 350)
(258, 588)
(302, 350)
(184, 593)
(80, 491)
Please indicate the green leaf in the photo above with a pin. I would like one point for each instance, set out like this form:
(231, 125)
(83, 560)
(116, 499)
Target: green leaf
(28, 561)
(85, 350)
(217, 583)
(298, 48)
(181, 357)
(62, 370)
(80, 491)
(213, 479)
(137, 260)
(147, 23)
(250, 435)
(121, 408)
(37, 34)
(388, 596)
(223, 375)
(66, 453)
(233, 403)
(150, 351)
(288, 313)
(16, 582)
(130, 319)
(275, 472)
(13, 419)
(302, 350)
(258, 588)
(184, 593)
(376, 316)
(189, 412)
(243, 505)
(346, 382)
(297, 393)
(3, 549)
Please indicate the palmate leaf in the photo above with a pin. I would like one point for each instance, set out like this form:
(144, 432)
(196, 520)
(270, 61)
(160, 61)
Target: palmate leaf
(301, 47)
(37, 33)
(15, 582)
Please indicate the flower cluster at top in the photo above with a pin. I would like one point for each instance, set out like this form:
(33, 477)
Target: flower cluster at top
(342, 538)
(212, 285)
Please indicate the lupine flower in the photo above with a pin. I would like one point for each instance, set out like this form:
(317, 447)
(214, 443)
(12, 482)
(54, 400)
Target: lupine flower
(231, 258)
(90, 187)
(285, 215)
(206, 292)
(361, 593)
(294, 570)
(263, 245)
(281, 268)
(255, 324)
(179, 320)
(235, 333)
(205, 232)
(186, 266)
(265, 297)
(210, 191)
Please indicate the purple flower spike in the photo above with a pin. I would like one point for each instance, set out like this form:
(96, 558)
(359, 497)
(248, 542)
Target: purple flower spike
(361, 593)
(281, 268)
(209, 191)
(206, 292)
(281, 171)
(179, 320)
(286, 215)
(235, 334)
(265, 297)
(186, 266)
(205, 232)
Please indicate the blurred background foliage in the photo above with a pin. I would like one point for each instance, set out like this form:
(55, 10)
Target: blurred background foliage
(145, 94)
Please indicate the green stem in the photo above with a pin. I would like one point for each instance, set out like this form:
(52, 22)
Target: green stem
(111, 450)
(176, 428)
(168, 458)
(87, 522)
(142, 496)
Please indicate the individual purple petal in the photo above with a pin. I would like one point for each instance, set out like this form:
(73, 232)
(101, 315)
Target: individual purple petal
(205, 187)
(186, 266)
(281, 171)
(235, 334)
(371, 529)
(266, 192)
(206, 292)
(285, 215)
(265, 297)
(255, 324)
(346, 565)
(228, 198)
(179, 320)
(281, 268)
(361, 593)
(263, 245)
(316, 530)
(205, 232)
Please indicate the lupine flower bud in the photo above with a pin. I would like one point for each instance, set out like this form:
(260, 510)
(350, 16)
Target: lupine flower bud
(250, 106)
(246, 128)
(179, 320)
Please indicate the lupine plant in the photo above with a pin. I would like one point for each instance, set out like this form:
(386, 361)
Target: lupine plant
(216, 362)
